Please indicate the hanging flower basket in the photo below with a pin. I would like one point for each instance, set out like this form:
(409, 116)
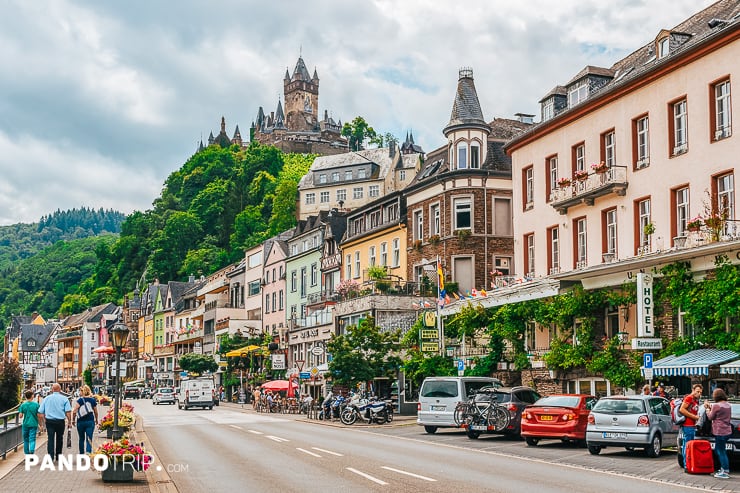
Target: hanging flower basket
(694, 225)
(600, 167)
(564, 182)
(580, 175)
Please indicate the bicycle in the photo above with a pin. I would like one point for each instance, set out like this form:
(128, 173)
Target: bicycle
(484, 413)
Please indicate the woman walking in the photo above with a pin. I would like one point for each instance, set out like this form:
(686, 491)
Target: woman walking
(720, 413)
(85, 413)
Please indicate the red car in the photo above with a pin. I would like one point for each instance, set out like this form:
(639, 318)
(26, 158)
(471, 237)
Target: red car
(560, 417)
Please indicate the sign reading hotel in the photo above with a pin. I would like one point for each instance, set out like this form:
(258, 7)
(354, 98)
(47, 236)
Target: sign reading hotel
(645, 305)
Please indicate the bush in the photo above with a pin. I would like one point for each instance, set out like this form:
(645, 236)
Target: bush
(11, 379)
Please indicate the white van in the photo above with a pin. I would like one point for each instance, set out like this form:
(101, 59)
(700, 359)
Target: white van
(196, 392)
(439, 396)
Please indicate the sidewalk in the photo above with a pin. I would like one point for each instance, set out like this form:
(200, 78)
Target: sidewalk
(14, 477)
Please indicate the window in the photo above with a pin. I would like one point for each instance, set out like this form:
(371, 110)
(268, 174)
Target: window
(357, 193)
(348, 267)
(681, 198)
(348, 175)
(725, 193)
(324, 197)
(310, 198)
(384, 254)
(374, 219)
(643, 219)
(580, 243)
(322, 178)
(342, 195)
(396, 252)
(610, 232)
(529, 253)
(358, 225)
(254, 288)
(462, 213)
(293, 281)
(304, 279)
(552, 175)
(418, 225)
(474, 156)
(553, 257)
(678, 129)
(641, 142)
(578, 93)
(609, 148)
(391, 212)
(402, 175)
(361, 173)
(281, 299)
(335, 176)
(373, 191)
(357, 264)
(274, 306)
(267, 302)
(314, 274)
(502, 217)
(528, 183)
(371, 256)
(721, 111)
(548, 109)
(663, 47)
(462, 155)
(579, 157)
(434, 226)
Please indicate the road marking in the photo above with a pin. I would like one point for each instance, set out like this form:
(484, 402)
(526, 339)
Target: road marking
(408, 473)
(328, 451)
(237, 427)
(276, 439)
(255, 432)
(367, 476)
(307, 452)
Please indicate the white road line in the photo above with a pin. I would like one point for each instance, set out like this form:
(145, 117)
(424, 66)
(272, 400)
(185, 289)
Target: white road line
(328, 451)
(408, 473)
(255, 432)
(307, 452)
(276, 439)
(367, 476)
(237, 427)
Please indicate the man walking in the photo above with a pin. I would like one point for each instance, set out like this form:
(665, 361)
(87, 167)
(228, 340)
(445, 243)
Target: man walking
(56, 412)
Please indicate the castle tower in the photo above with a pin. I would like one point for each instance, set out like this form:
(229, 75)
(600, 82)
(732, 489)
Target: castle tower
(301, 92)
(467, 131)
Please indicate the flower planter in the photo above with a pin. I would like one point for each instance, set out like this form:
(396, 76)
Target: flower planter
(118, 473)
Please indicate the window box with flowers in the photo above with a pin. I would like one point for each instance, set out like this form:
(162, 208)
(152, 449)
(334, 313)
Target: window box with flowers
(694, 224)
(580, 175)
(564, 182)
(434, 239)
(600, 167)
(123, 457)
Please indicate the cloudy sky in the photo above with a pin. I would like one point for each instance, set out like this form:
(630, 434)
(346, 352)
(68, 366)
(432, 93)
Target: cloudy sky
(101, 101)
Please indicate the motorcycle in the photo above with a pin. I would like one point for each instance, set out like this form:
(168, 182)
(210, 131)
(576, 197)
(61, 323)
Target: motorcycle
(368, 410)
(327, 412)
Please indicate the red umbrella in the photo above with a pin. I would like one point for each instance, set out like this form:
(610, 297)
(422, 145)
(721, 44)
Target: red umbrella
(279, 385)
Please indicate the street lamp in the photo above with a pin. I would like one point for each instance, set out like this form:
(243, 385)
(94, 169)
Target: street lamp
(118, 335)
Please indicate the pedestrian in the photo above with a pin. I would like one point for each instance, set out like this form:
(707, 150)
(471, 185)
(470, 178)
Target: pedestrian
(646, 390)
(720, 413)
(85, 414)
(690, 409)
(221, 393)
(256, 401)
(29, 412)
(660, 391)
(55, 412)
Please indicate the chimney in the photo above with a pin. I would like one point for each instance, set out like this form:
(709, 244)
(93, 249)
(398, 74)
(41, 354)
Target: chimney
(191, 278)
(392, 150)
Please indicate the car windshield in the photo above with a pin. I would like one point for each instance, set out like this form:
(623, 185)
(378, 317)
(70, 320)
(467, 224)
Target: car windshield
(735, 410)
(439, 388)
(558, 401)
(165, 391)
(620, 406)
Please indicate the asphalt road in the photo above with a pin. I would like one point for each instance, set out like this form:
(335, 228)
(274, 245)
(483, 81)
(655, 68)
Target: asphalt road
(228, 449)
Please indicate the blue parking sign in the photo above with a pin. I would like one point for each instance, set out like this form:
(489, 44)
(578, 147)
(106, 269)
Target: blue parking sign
(460, 365)
(647, 360)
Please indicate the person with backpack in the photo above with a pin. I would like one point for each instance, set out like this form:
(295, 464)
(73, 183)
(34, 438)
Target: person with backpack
(690, 410)
(720, 413)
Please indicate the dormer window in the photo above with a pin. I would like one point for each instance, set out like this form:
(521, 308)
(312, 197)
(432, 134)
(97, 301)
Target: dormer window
(578, 93)
(322, 178)
(361, 173)
(548, 109)
(663, 47)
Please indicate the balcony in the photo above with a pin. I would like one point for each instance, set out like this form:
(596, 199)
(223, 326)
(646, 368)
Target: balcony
(320, 298)
(614, 180)
(68, 335)
(331, 262)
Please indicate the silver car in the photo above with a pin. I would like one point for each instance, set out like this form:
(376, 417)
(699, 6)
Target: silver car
(635, 421)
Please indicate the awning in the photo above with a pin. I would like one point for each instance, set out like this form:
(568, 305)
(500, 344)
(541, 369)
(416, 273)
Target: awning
(695, 362)
(244, 350)
(730, 368)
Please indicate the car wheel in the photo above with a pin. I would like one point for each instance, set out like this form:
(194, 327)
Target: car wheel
(653, 450)
(594, 449)
(430, 429)
(473, 434)
(532, 442)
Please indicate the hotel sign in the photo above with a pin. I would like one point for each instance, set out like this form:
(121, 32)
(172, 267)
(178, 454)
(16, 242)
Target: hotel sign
(645, 305)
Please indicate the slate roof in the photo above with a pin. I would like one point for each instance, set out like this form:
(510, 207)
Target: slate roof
(300, 72)
(557, 90)
(466, 107)
(40, 334)
(93, 314)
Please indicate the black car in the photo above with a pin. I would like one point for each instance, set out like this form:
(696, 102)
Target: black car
(131, 392)
(146, 393)
(514, 399)
(733, 444)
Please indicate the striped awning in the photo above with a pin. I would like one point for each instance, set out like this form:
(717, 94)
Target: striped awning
(693, 363)
(730, 368)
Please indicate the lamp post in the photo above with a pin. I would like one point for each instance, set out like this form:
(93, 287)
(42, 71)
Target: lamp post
(118, 335)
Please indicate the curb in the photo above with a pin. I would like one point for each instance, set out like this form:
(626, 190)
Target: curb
(159, 480)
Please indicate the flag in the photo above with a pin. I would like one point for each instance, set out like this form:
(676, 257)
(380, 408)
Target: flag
(447, 298)
(454, 295)
(483, 292)
(474, 293)
(440, 277)
(427, 304)
(415, 306)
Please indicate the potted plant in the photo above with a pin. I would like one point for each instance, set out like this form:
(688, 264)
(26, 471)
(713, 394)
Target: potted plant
(126, 420)
(648, 229)
(417, 245)
(463, 234)
(600, 167)
(694, 224)
(434, 239)
(716, 225)
(580, 175)
(123, 458)
(564, 182)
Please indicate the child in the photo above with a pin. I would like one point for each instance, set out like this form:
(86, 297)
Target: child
(28, 411)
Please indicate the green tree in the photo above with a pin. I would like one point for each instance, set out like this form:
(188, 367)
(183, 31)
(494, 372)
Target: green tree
(357, 131)
(364, 353)
(87, 376)
(11, 379)
(198, 363)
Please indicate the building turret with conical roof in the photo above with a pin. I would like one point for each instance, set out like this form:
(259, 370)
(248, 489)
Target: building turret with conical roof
(467, 131)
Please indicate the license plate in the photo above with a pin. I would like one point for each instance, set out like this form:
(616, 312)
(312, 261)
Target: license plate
(614, 435)
(479, 427)
(545, 418)
(438, 408)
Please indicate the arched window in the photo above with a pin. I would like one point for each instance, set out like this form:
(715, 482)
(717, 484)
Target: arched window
(462, 155)
(475, 155)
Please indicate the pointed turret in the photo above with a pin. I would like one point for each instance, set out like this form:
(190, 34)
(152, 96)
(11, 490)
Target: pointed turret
(260, 117)
(279, 116)
(466, 111)
(315, 77)
(287, 75)
(300, 72)
(200, 146)
(210, 139)
(237, 138)
(223, 124)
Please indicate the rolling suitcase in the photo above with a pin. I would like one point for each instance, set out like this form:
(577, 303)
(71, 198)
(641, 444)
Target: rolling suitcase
(699, 457)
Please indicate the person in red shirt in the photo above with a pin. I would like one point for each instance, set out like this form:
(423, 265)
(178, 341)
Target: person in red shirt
(690, 409)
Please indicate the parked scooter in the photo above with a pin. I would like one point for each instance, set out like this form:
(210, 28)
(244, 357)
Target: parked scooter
(368, 410)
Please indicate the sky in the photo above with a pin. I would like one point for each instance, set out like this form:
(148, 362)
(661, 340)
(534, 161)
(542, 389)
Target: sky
(101, 101)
